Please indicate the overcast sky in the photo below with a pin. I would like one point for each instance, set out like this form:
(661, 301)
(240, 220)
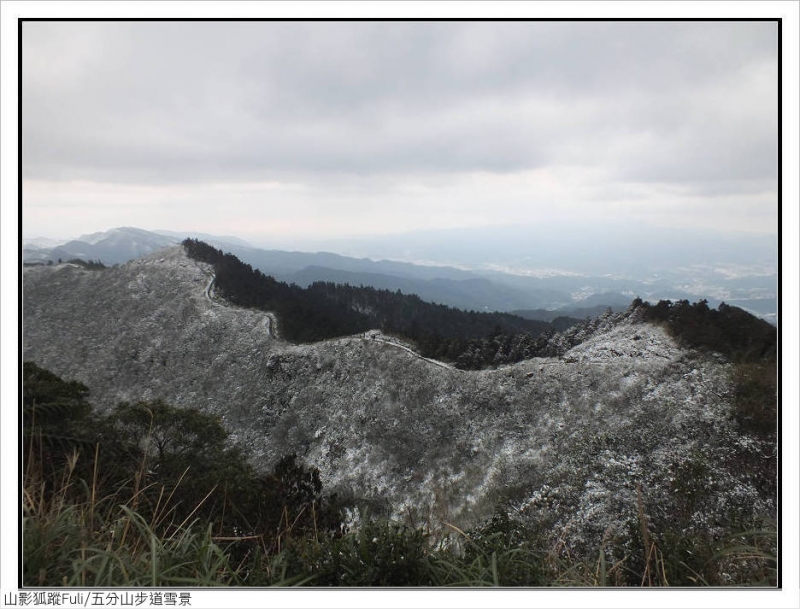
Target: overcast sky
(281, 131)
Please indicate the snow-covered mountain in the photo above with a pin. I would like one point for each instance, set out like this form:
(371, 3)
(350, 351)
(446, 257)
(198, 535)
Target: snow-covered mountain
(577, 443)
(114, 246)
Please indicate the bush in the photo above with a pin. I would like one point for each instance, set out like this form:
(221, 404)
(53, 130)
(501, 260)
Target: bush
(504, 552)
(380, 554)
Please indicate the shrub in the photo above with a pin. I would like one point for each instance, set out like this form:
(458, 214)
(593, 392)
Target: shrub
(380, 554)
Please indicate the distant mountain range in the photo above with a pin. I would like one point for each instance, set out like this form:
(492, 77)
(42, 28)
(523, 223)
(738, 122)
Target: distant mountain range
(114, 246)
(543, 298)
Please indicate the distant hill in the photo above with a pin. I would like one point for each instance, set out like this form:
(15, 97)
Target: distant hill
(553, 314)
(473, 293)
(592, 306)
(114, 246)
(441, 285)
(477, 290)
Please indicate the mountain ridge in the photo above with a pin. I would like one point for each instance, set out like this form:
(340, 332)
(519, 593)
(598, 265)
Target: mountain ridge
(419, 440)
(438, 284)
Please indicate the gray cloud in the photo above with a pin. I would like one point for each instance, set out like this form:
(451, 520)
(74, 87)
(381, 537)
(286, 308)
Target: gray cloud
(177, 101)
(366, 111)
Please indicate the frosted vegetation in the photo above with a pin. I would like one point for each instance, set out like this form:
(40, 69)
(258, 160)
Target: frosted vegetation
(622, 436)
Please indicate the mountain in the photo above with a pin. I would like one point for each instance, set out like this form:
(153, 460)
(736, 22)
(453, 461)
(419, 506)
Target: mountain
(442, 285)
(40, 242)
(654, 263)
(114, 246)
(328, 310)
(581, 444)
(551, 315)
(478, 289)
(592, 306)
(476, 293)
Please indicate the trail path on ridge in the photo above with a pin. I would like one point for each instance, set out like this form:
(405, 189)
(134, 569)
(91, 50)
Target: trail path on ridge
(271, 324)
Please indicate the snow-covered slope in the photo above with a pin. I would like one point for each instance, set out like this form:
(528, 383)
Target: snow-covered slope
(574, 442)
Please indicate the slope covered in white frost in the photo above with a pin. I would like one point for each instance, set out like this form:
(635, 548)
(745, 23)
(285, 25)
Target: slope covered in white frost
(582, 444)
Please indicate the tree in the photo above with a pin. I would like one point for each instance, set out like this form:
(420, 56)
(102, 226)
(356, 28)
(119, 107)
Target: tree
(56, 426)
(52, 408)
(168, 434)
(58, 401)
(177, 448)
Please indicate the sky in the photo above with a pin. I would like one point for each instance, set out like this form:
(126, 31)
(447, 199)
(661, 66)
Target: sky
(281, 131)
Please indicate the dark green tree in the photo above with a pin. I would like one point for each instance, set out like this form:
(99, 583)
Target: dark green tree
(54, 419)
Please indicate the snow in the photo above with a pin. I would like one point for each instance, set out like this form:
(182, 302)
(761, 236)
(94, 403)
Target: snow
(573, 436)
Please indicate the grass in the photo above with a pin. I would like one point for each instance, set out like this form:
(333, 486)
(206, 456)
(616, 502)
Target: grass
(72, 537)
(77, 532)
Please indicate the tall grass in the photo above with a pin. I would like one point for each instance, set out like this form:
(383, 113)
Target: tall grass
(77, 532)
(74, 537)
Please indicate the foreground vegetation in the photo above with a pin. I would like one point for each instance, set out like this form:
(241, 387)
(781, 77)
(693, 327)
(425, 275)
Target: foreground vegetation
(150, 495)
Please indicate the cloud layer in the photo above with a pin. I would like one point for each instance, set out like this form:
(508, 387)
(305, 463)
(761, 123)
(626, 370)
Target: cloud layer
(458, 122)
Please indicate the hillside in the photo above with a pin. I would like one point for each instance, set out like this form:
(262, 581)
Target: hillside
(571, 443)
(326, 310)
